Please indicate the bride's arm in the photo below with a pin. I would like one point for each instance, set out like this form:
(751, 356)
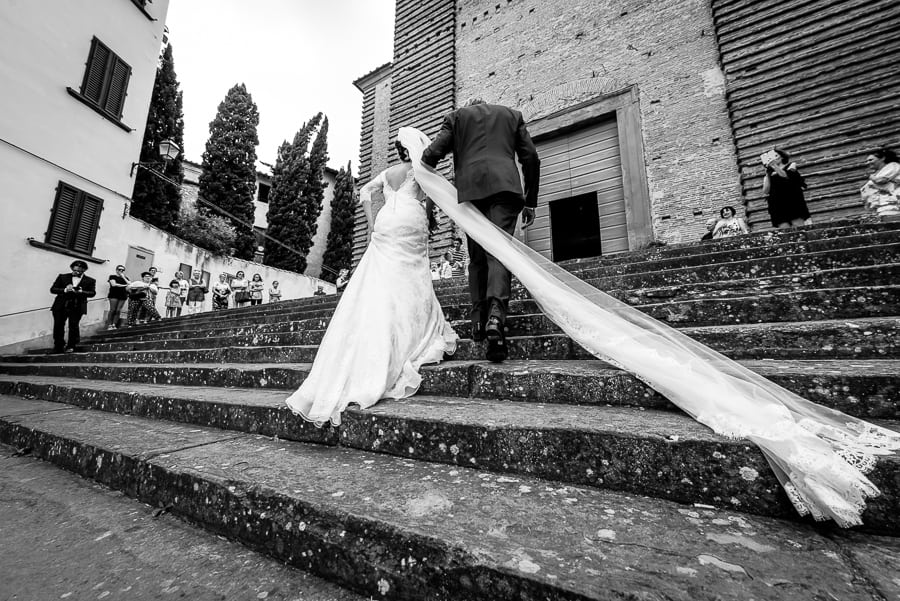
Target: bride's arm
(365, 198)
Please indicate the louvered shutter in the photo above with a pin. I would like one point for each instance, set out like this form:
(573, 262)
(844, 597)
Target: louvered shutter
(118, 84)
(62, 220)
(95, 75)
(86, 224)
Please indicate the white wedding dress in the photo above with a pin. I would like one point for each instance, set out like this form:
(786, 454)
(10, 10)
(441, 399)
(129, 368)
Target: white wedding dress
(388, 322)
(818, 454)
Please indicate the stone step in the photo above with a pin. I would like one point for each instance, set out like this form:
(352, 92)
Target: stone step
(703, 269)
(865, 388)
(723, 251)
(805, 305)
(394, 528)
(831, 339)
(851, 277)
(615, 278)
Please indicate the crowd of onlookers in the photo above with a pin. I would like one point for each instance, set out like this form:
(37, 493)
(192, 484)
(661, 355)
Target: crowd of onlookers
(182, 296)
(784, 186)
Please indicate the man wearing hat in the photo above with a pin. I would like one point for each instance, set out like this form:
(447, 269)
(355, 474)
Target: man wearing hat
(72, 291)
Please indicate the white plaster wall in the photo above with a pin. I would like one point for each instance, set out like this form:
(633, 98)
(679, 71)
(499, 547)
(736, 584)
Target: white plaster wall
(45, 47)
(46, 136)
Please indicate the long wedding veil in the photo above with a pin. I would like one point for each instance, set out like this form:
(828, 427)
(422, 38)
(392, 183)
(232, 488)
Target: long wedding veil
(819, 455)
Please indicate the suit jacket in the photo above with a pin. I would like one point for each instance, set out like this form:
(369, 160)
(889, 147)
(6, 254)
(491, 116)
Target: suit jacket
(72, 301)
(485, 140)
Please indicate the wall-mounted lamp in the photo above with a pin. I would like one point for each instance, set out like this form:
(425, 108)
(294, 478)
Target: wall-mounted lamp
(168, 150)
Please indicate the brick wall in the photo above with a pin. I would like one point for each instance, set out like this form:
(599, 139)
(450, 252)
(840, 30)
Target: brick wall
(542, 57)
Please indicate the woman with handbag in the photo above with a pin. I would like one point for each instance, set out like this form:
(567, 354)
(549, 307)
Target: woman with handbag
(239, 288)
(221, 291)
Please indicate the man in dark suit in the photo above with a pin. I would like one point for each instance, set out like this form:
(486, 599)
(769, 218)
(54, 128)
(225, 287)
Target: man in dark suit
(72, 291)
(485, 140)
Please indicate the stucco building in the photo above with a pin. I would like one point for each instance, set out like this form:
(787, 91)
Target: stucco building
(650, 116)
(77, 77)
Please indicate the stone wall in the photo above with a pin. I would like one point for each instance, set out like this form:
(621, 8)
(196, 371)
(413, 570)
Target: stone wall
(542, 57)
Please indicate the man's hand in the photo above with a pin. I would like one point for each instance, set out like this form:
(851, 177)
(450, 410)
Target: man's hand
(527, 217)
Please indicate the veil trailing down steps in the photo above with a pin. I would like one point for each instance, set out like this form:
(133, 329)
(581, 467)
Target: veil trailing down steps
(819, 455)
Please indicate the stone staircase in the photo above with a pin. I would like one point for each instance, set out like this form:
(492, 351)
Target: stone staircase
(550, 476)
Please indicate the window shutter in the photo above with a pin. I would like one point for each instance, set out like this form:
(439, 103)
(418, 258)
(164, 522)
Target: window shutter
(118, 84)
(87, 224)
(94, 76)
(62, 219)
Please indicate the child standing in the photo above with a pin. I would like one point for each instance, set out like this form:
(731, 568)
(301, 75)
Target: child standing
(173, 299)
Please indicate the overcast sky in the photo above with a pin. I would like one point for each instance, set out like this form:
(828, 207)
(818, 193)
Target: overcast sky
(297, 57)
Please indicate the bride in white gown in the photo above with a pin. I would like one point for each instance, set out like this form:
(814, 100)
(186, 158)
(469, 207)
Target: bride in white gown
(819, 455)
(388, 322)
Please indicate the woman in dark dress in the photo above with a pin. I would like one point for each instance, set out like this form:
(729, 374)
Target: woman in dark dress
(783, 187)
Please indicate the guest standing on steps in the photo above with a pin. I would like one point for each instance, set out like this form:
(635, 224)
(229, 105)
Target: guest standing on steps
(274, 292)
(881, 193)
(117, 296)
(173, 299)
(221, 291)
(139, 299)
(255, 289)
(196, 294)
(239, 290)
(783, 186)
(72, 291)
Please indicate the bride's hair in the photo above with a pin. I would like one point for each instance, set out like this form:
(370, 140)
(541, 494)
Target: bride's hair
(401, 151)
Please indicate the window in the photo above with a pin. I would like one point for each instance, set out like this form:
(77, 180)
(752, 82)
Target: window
(105, 80)
(75, 219)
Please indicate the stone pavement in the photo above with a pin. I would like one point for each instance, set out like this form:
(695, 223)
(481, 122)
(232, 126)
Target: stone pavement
(63, 537)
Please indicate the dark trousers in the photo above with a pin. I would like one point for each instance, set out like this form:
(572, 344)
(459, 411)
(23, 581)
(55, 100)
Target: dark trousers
(145, 306)
(489, 280)
(60, 319)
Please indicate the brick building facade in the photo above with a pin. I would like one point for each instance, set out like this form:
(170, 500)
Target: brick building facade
(638, 125)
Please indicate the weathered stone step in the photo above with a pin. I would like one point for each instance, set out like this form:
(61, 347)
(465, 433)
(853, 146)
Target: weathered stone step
(806, 305)
(614, 278)
(702, 269)
(866, 388)
(399, 529)
(829, 339)
(677, 458)
(851, 277)
(719, 251)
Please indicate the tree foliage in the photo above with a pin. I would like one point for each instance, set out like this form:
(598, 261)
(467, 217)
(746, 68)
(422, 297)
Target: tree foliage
(229, 165)
(339, 249)
(298, 189)
(154, 200)
(206, 230)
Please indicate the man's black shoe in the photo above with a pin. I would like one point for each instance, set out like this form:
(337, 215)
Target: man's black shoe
(497, 351)
(57, 350)
(494, 329)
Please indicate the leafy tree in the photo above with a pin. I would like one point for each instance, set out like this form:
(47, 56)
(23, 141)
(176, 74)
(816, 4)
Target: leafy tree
(339, 248)
(295, 200)
(206, 230)
(154, 200)
(229, 165)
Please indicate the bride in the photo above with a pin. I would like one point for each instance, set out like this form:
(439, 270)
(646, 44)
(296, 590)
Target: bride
(388, 322)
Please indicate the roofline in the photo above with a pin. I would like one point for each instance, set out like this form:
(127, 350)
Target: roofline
(372, 76)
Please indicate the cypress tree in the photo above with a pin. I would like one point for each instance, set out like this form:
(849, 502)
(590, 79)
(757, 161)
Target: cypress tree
(154, 200)
(339, 248)
(295, 199)
(228, 179)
